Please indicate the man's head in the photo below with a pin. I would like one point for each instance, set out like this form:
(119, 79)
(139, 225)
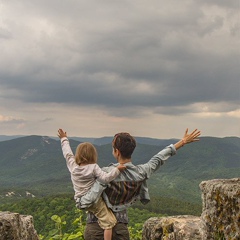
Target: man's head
(125, 144)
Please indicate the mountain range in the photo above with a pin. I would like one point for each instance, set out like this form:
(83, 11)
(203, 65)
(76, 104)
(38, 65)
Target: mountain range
(35, 164)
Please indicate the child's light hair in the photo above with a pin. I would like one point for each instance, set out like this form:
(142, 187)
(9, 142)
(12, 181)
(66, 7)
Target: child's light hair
(86, 153)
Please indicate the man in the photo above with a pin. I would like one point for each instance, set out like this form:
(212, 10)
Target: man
(130, 185)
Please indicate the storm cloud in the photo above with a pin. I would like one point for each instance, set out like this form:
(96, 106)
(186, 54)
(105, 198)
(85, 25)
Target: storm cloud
(120, 64)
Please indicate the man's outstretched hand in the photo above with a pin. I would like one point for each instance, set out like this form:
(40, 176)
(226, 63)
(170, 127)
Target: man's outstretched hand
(192, 137)
(188, 138)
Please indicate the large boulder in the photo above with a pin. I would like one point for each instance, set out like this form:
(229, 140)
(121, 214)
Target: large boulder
(184, 227)
(221, 209)
(14, 226)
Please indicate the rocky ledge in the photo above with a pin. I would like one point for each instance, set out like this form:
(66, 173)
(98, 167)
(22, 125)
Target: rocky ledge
(220, 218)
(14, 226)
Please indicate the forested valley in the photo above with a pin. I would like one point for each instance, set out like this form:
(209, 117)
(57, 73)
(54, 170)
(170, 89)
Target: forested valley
(43, 209)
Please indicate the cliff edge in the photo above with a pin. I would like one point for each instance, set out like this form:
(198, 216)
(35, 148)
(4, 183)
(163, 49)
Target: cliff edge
(220, 218)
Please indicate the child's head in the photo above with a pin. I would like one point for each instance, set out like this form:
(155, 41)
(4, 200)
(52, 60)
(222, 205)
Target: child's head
(125, 143)
(86, 153)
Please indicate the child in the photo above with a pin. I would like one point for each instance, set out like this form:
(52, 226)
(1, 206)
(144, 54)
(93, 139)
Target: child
(84, 172)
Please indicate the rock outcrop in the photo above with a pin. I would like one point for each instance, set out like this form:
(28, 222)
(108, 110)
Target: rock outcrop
(172, 228)
(221, 209)
(14, 226)
(220, 218)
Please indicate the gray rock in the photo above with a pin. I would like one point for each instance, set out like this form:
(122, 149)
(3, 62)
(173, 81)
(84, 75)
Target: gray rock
(14, 226)
(184, 227)
(220, 218)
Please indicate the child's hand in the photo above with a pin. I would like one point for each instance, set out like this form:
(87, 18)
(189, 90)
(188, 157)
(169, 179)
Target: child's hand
(61, 133)
(121, 167)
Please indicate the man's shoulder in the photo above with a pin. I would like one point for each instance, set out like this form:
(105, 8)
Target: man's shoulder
(109, 167)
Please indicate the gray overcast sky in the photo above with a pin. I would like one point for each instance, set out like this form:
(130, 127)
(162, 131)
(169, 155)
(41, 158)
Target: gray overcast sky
(94, 68)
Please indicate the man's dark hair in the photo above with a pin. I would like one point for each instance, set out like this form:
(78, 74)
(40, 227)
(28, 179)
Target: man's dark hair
(125, 143)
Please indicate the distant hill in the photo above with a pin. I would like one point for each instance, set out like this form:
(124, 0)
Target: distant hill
(102, 140)
(36, 164)
(5, 137)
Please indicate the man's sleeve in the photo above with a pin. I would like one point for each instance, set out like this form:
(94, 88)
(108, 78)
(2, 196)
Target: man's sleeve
(158, 160)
